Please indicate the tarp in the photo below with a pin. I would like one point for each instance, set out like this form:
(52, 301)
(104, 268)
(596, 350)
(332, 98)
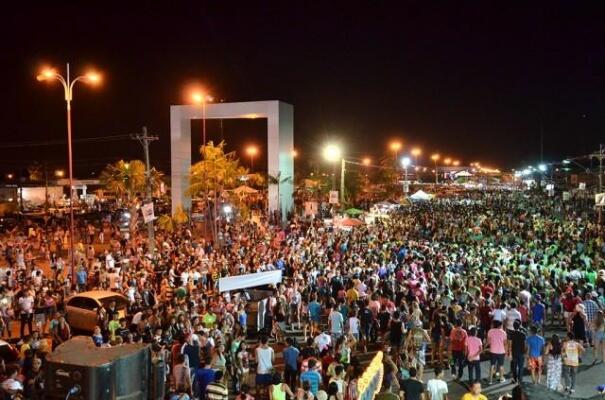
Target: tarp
(420, 195)
(463, 174)
(243, 189)
(249, 280)
(350, 222)
(353, 211)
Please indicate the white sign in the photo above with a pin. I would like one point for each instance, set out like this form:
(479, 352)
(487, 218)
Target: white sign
(147, 210)
(582, 186)
(566, 196)
(333, 196)
(249, 280)
(599, 199)
(550, 186)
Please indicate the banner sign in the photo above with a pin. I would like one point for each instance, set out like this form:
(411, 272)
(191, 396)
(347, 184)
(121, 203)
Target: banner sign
(148, 214)
(370, 382)
(249, 280)
(333, 196)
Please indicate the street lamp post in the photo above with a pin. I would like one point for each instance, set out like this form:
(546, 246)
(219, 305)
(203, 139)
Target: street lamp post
(405, 162)
(68, 87)
(435, 158)
(332, 153)
(252, 151)
(202, 98)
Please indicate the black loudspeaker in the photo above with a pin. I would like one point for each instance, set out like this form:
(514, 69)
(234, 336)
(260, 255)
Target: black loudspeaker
(98, 373)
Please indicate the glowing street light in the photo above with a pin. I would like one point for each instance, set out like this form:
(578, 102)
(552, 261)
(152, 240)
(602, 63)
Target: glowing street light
(201, 98)
(416, 151)
(542, 167)
(447, 161)
(10, 176)
(252, 151)
(456, 163)
(92, 78)
(59, 173)
(294, 153)
(366, 161)
(395, 146)
(332, 153)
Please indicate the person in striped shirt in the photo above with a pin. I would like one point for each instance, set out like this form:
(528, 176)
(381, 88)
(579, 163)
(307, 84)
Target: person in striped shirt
(217, 390)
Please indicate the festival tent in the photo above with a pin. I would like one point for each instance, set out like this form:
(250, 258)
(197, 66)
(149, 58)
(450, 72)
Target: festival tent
(420, 195)
(463, 174)
(349, 222)
(244, 189)
(354, 211)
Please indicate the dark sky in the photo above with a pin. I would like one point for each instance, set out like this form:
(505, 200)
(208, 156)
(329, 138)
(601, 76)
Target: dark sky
(472, 80)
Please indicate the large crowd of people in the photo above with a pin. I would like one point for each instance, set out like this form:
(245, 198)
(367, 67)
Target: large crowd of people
(439, 287)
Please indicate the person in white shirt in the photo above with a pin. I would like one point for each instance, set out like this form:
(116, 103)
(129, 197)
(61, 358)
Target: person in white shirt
(437, 387)
(26, 311)
(265, 356)
(512, 314)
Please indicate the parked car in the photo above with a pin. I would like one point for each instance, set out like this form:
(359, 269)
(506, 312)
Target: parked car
(82, 308)
(8, 352)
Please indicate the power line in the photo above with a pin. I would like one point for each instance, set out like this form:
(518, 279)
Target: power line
(60, 142)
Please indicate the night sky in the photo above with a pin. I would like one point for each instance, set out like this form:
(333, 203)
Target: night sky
(474, 81)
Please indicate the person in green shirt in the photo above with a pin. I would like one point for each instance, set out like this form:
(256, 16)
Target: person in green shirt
(209, 319)
(113, 326)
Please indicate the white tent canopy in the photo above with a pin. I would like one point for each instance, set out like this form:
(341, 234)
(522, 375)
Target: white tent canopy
(463, 174)
(243, 189)
(421, 195)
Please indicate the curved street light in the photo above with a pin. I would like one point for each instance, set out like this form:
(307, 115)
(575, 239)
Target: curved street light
(93, 78)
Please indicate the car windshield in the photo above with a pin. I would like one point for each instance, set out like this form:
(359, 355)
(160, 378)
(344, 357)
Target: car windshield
(120, 302)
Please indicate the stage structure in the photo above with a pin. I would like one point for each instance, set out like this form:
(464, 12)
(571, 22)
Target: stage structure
(280, 142)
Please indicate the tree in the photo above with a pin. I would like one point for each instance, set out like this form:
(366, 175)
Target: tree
(171, 223)
(36, 173)
(278, 180)
(127, 181)
(217, 171)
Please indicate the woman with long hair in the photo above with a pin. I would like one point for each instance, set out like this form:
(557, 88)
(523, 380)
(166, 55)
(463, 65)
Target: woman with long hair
(553, 363)
(598, 337)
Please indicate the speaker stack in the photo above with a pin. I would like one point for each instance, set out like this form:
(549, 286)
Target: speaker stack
(98, 373)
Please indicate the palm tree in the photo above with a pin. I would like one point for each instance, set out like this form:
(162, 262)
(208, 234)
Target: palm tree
(217, 171)
(127, 181)
(278, 180)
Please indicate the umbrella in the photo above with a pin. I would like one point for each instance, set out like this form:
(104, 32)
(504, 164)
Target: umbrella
(353, 211)
(351, 222)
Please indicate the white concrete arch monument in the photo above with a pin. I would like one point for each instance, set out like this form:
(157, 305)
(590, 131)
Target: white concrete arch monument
(280, 146)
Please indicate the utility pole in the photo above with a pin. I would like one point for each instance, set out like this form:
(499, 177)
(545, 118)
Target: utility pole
(144, 139)
(342, 182)
(600, 155)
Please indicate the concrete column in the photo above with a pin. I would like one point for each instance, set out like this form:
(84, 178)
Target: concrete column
(180, 157)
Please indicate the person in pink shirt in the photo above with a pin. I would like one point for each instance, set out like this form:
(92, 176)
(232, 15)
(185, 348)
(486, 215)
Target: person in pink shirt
(496, 341)
(473, 349)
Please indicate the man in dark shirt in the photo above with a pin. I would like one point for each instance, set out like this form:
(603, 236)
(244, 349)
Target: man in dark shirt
(192, 350)
(366, 318)
(412, 388)
(517, 351)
